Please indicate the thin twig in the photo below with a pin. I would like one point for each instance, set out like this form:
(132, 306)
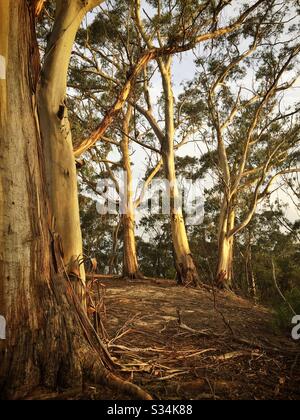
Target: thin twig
(278, 289)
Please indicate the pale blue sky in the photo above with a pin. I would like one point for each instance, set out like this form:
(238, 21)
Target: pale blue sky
(184, 70)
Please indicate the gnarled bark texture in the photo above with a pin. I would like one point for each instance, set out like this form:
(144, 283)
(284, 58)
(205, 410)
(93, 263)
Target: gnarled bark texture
(50, 343)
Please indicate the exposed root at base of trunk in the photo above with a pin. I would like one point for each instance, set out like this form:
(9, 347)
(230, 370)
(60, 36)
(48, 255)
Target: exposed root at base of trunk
(187, 274)
(97, 374)
(189, 281)
(222, 281)
(134, 276)
(93, 373)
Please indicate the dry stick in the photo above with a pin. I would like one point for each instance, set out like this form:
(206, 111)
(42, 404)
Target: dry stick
(235, 355)
(138, 350)
(203, 333)
(102, 276)
(118, 337)
(226, 323)
(234, 338)
(278, 289)
(198, 353)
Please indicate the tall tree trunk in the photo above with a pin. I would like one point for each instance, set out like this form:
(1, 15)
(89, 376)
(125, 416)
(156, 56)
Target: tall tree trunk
(187, 273)
(50, 343)
(61, 176)
(130, 260)
(253, 291)
(43, 338)
(226, 246)
(113, 260)
(225, 263)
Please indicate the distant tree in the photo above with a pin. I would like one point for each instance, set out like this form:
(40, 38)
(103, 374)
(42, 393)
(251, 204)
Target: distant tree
(273, 237)
(251, 141)
(176, 28)
(156, 247)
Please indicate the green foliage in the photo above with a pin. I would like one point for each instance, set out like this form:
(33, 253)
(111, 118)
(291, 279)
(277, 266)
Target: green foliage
(97, 233)
(283, 313)
(156, 248)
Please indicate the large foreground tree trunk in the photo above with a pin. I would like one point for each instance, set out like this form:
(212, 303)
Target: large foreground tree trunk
(50, 343)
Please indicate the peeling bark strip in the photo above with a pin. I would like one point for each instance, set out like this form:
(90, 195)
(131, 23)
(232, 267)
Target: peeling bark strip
(225, 245)
(38, 7)
(2, 328)
(187, 273)
(236, 177)
(2, 68)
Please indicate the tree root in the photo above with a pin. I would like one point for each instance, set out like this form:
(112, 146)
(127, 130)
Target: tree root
(98, 374)
(134, 276)
(93, 374)
(97, 355)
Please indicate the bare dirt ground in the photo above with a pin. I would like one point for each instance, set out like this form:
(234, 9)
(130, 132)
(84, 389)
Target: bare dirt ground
(191, 344)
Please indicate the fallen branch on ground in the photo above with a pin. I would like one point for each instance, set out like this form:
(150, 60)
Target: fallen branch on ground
(236, 354)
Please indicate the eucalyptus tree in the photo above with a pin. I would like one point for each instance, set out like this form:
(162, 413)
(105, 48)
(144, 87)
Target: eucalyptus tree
(61, 177)
(50, 343)
(176, 27)
(201, 23)
(96, 69)
(174, 23)
(249, 125)
(156, 251)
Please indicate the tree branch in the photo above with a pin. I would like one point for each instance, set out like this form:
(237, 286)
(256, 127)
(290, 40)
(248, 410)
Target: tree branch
(150, 178)
(255, 121)
(142, 62)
